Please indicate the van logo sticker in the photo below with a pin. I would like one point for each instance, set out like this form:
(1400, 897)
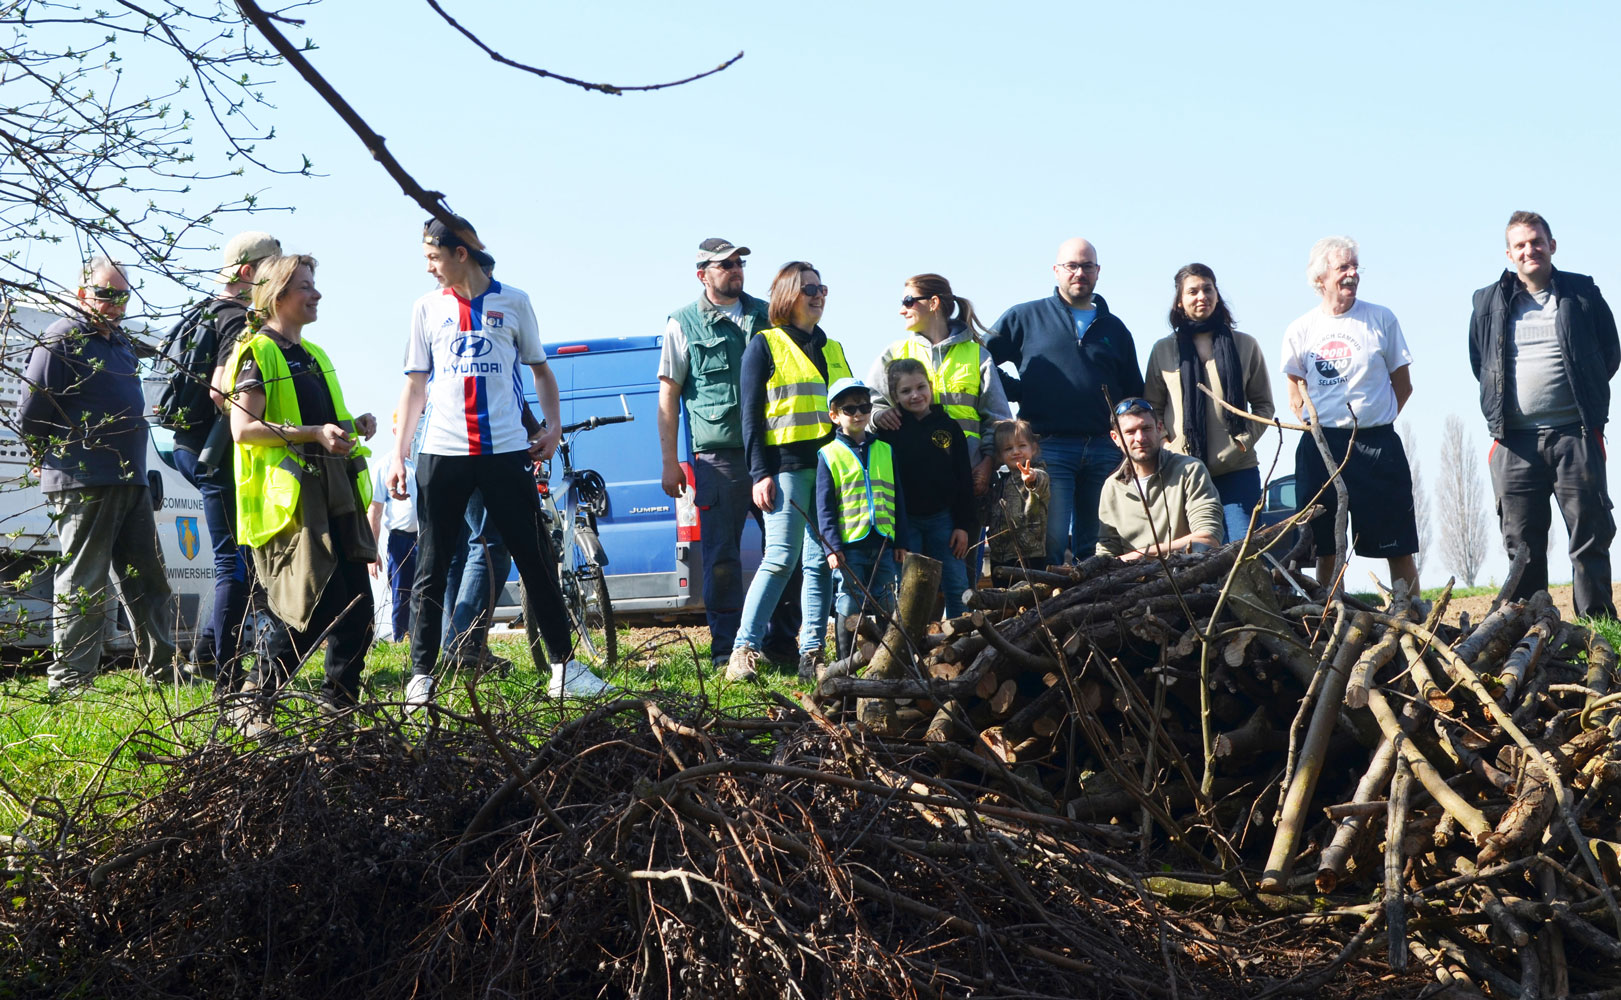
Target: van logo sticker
(649, 510)
(186, 528)
(470, 346)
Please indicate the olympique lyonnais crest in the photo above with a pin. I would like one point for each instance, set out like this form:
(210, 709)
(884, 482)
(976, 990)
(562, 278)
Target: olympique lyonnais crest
(495, 320)
(190, 542)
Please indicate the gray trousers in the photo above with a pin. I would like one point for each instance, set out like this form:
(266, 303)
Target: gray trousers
(108, 530)
(1528, 467)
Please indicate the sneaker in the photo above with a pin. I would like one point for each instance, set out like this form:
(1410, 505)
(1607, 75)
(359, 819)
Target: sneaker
(496, 663)
(250, 717)
(70, 685)
(808, 662)
(741, 665)
(575, 680)
(179, 672)
(419, 692)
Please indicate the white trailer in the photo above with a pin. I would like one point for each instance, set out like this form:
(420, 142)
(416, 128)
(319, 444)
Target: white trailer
(28, 537)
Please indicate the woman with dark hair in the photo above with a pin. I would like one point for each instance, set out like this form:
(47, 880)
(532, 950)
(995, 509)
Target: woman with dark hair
(1206, 351)
(786, 372)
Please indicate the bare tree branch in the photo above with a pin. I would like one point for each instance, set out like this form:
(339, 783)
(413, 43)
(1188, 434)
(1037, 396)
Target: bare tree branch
(602, 88)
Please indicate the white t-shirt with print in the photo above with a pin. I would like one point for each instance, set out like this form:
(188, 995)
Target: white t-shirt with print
(1348, 359)
(472, 350)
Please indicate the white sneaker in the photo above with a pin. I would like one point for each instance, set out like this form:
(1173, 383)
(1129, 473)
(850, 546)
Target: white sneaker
(740, 667)
(575, 680)
(419, 692)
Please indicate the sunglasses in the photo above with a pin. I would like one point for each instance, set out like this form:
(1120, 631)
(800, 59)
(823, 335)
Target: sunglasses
(107, 293)
(812, 291)
(1133, 404)
(729, 265)
(856, 409)
(908, 301)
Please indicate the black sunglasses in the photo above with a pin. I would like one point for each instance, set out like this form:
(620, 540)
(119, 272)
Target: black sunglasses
(908, 301)
(1133, 404)
(811, 291)
(107, 293)
(855, 409)
(729, 265)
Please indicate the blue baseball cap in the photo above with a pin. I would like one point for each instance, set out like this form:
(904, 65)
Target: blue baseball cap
(843, 386)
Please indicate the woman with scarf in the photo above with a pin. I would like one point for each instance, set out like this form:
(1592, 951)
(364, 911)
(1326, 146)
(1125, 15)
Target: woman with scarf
(1205, 351)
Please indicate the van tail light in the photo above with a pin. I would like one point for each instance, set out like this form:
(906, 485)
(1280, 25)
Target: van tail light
(686, 512)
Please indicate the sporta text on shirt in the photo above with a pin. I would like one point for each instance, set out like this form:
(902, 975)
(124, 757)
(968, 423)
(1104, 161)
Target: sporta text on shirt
(471, 350)
(1346, 360)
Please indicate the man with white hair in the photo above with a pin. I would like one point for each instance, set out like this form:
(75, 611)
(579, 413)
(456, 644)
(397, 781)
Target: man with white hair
(84, 419)
(1349, 356)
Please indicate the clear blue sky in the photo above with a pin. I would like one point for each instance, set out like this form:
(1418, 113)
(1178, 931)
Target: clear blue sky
(882, 140)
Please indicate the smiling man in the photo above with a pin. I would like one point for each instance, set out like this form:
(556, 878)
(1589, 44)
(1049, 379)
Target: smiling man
(1158, 501)
(1542, 343)
(1350, 356)
(467, 340)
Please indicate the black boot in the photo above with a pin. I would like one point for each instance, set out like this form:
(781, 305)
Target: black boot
(843, 639)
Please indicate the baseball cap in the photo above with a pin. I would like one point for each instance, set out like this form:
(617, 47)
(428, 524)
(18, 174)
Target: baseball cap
(436, 233)
(247, 248)
(715, 248)
(843, 386)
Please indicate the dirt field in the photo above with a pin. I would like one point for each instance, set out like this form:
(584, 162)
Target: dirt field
(1479, 606)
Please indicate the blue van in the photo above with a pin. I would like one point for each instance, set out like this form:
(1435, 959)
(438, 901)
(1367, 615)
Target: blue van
(655, 567)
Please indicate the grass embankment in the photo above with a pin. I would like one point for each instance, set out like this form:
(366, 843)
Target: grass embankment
(66, 751)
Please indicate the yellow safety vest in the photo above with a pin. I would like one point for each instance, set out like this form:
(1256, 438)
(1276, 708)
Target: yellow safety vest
(796, 396)
(268, 476)
(866, 494)
(956, 381)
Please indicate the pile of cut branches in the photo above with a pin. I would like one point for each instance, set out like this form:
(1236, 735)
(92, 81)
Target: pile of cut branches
(1456, 787)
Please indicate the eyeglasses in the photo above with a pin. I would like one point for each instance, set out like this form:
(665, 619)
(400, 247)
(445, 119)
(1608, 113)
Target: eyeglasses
(856, 409)
(812, 291)
(107, 293)
(1084, 266)
(1133, 404)
(734, 264)
(908, 301)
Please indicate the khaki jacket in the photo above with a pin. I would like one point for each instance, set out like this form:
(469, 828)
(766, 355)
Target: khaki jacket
(1180, 494)
(1163, 388)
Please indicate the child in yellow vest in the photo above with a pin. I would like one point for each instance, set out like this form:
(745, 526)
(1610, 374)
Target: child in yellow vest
(859, 509)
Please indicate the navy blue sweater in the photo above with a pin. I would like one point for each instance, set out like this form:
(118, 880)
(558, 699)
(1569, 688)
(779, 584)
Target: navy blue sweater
(1062, 378)
(827, 503)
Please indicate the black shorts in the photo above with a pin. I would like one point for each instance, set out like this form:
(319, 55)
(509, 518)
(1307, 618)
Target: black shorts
(1379, 484)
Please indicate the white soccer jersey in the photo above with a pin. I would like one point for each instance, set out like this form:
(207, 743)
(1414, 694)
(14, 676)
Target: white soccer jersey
(472, 351)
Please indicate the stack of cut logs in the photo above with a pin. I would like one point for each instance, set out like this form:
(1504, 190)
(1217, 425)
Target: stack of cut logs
(1457, 786)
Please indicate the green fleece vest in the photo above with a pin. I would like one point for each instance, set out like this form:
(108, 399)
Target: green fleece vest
(714, 368)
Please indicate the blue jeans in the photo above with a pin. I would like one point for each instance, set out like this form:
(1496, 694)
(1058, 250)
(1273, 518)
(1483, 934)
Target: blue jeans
(931, 535)
(1078, 467)
(788, 542)
(1239, 491)
(402, 573)
(468, 602)
(876, 572)
(223, 633)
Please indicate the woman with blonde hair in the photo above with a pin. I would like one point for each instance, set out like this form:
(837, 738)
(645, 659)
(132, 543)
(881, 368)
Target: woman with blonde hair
(302, 490)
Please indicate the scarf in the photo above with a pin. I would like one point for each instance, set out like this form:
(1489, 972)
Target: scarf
(1194, 404)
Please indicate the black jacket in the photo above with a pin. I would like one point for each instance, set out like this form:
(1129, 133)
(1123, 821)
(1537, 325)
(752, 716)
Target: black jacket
(1061, 378)
(1587, 342)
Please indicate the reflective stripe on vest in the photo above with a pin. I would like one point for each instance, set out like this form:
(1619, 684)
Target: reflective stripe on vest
(866, 494)
(796, 395)
(268, 477)
(956, 381)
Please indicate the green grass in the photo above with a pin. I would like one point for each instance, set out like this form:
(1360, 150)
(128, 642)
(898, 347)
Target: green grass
(56, 752)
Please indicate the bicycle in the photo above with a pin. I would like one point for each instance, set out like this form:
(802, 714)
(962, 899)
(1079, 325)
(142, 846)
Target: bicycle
(570, 513)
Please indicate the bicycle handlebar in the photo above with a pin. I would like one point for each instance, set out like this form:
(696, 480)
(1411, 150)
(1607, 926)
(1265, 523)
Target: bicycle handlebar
(592, 423)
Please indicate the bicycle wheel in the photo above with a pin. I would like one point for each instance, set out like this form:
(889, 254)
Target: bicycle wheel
(585, 597)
